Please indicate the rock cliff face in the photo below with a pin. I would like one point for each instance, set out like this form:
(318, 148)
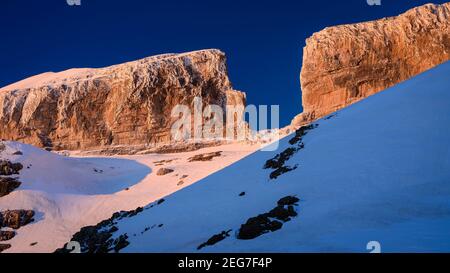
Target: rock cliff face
(344, 64)
(128, 104)
(16, 218)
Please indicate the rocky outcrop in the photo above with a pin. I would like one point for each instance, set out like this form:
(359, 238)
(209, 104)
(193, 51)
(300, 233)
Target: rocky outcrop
(164, 171)
(123, 105)
(278, 162)
(344, 64)
(4, 247)
(99, 238)
(7, 235)
(205, 156)
(16, 218)
(215, 239)
(269, 221)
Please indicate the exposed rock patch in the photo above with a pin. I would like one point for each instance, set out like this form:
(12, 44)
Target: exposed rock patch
(270, 221)
(278, 163)
(8, 168)
(205, 157)
(16, 218)
(120, 242)
(98, 170)
(7, 185)
(215, 239)
(4, 247)
(162, 162)
(11, 218)
(288, 201)
(164, 171)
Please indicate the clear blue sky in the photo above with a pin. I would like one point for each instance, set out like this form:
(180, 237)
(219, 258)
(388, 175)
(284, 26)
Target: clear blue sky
(263, 39)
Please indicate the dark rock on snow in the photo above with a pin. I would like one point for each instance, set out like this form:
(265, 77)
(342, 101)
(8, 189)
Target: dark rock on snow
(205, 157)
(6, 235)
(4, 247)
(278, 162)
(266, 222)
(8, 168)
(7, 185)
(99, 238)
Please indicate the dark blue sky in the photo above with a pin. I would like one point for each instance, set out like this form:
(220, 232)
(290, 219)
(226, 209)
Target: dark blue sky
(263, 39)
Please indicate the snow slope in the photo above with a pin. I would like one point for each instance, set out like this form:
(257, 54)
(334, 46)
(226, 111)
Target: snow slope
(378, 170)
(68, 193)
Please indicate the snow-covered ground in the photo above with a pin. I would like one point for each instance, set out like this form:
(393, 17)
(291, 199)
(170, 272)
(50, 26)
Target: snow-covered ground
(378, 170)
(68, 193)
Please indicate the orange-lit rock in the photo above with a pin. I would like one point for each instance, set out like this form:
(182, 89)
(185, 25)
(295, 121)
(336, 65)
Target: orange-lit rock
(128, 104)
(344, 64)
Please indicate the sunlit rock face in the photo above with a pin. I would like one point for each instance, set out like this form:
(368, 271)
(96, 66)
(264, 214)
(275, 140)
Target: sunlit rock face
(344, 64)
(126, 104)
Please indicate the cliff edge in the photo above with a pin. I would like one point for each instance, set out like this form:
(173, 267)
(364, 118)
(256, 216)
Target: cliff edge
(128, 104)
(344, 64)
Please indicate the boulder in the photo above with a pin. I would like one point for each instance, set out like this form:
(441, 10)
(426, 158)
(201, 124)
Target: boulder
(8, 168)
(215, 239)
(270, 221)
(163, 171)
(257, 226)
(287, 201)
(6, 235)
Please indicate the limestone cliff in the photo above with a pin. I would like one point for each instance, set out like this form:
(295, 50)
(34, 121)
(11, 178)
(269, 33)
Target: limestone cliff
(128, 104)
(344, 64)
